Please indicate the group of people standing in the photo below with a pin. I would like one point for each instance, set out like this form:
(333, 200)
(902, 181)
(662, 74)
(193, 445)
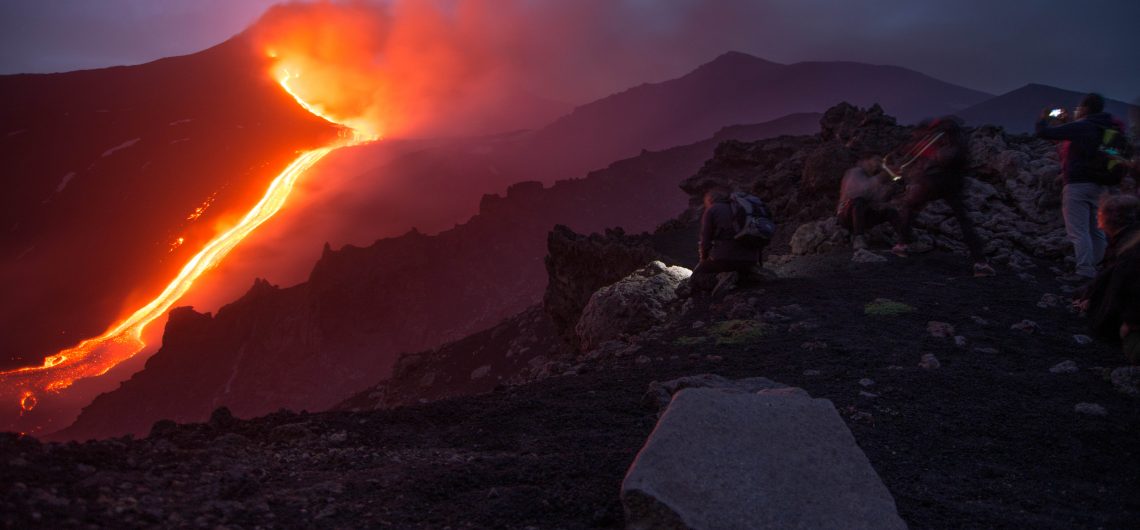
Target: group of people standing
(1102, 224)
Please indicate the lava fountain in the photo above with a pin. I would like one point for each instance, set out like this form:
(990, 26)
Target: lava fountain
(94, 357)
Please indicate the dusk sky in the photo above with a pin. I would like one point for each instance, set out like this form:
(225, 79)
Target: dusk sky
(990, 45)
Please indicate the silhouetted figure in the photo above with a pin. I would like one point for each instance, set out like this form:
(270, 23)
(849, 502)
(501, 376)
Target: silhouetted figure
(1114, 297)
(863, 196)
(719, 250)
(934, 164)
(1083, 174)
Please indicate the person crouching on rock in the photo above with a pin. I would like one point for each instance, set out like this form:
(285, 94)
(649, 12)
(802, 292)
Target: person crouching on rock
(934, 165)
(719, 250)
(863, 196)
(1114, 297)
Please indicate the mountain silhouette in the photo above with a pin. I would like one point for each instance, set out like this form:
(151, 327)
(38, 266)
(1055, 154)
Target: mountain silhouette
(734, 88)
(1017, 111)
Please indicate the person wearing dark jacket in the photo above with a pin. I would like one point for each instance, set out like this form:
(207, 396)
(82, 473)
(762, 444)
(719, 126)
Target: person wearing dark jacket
(939, 158)
(1080, 174)
(719, 250)
(1114, 297)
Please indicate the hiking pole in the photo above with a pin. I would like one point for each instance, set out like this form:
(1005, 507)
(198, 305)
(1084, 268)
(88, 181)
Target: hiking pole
(914, 153)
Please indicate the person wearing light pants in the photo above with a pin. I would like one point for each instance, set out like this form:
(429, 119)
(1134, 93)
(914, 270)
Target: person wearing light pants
(1078, 207)
(1082, 175)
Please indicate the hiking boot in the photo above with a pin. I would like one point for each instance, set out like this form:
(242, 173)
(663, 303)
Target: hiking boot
(983, 269)
(726, 281)
(859, 243)
(900, 250)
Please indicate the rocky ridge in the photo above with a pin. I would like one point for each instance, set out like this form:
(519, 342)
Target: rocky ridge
(1012, 192)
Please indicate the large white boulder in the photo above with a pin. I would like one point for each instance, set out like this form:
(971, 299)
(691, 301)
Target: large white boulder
(773, 459)
(632, 305)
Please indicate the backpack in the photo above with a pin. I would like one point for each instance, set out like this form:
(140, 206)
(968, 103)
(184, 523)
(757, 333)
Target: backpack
(754, 226)
(1110, 157)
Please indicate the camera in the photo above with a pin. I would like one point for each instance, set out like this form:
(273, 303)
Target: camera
(1056, 113)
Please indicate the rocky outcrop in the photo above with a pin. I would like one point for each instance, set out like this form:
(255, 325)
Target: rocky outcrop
(578, 265)
(814, 237)
(798, 176)
(634, 304)
(774, 459)
(1011, 189)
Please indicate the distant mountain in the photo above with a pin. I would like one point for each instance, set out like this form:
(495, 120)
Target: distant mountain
(104, 171)
(1017, 111)
(732, 89)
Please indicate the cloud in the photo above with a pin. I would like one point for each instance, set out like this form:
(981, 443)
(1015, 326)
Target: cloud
(594, 47)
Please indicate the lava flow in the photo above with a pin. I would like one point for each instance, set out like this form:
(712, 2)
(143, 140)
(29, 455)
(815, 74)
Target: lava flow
(94, 357)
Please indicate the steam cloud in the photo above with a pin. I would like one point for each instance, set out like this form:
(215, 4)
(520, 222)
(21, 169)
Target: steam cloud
(413, 68)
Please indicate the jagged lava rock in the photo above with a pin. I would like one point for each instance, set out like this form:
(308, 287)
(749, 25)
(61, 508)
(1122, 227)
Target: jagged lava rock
(578, 265)
(634, 304)
(818, 237)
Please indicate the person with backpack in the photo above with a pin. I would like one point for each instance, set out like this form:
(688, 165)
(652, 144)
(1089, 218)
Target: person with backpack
(864, 193)
(734, 230)
(934, 164)
(1094, 160)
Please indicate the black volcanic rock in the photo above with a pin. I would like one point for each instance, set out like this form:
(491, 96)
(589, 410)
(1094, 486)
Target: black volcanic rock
(103, 170)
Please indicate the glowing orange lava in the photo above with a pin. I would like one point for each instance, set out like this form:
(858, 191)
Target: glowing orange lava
(94, 357)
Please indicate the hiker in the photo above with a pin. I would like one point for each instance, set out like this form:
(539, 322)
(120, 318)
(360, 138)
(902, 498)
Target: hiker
(934, 167)
(1113, 302)
(863, 196)
(719, 249)
(1083, 177)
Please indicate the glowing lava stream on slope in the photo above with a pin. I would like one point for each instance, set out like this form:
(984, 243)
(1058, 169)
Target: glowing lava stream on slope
(94, 357)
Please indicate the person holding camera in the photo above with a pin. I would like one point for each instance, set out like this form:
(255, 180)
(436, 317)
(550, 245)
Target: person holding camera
(1083, 176)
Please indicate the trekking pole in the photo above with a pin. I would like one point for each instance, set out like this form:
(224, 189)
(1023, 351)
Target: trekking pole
(914, 153)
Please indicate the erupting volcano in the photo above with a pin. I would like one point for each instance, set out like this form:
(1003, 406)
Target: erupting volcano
(408, 69)
(95, 356)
